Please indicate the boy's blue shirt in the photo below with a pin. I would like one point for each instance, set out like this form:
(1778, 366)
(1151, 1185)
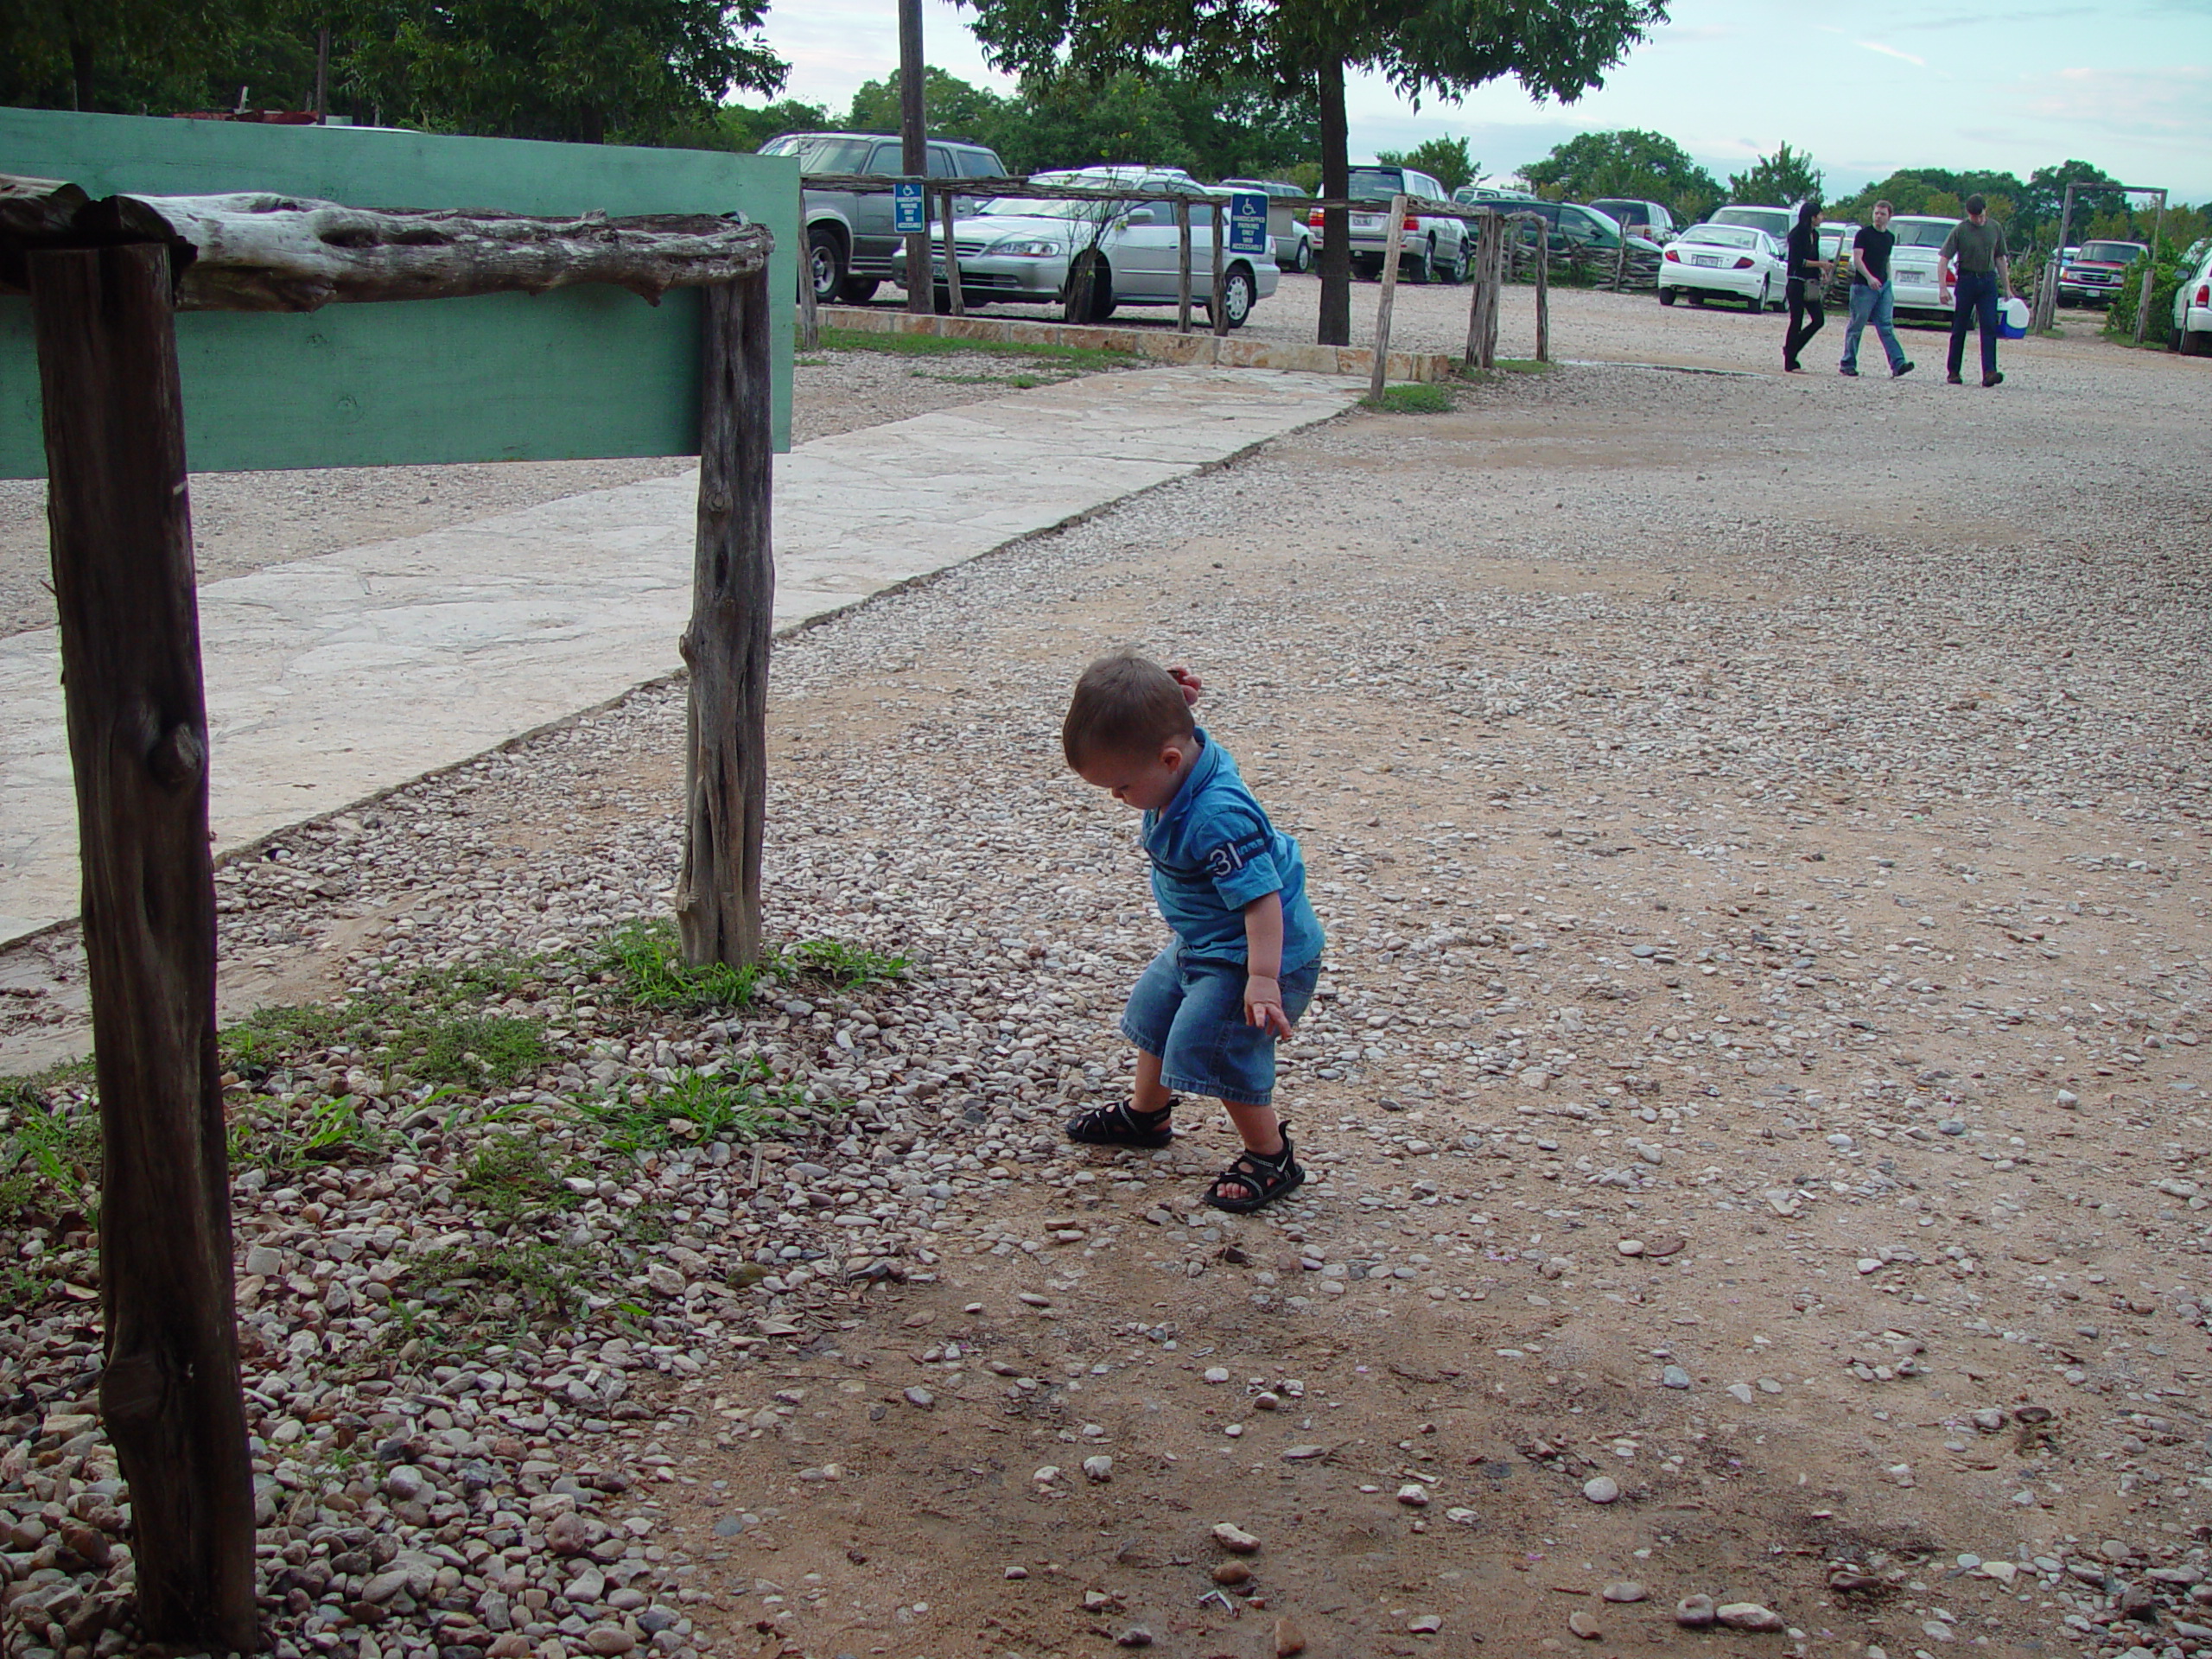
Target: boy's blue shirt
(1213, 852)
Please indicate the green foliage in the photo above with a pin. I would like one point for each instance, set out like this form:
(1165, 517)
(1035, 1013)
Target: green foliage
(1417, 399)
(49, 1148)
(952, 108)
(1782, 180)
(1640, 166)
(735, 127)
(468, 1297)
(471, 1051)
(746, 1102)
(2167, 275)
(1071, 120)
(1934, 191)
(841, 964)
(647, 960)
(286, 1136)
(260, 1043)
(510, 1178)
(1446, 158)
(150, 56)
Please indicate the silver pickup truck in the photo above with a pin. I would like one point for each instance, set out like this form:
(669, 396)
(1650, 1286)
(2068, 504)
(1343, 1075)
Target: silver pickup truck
(850, 242)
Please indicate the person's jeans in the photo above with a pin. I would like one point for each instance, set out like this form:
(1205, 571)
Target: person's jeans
(1879, 307)
(1805, 317)
(1977, 303)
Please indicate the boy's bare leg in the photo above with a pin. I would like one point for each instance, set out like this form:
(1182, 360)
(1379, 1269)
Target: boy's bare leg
(1150, 1095)
(1258, 1127)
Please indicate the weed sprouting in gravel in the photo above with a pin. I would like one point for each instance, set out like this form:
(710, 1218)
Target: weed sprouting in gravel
(49, 1145)
(470, 1050)
(284, 1136)
(264, 1039)
(841, 964)
(511, 1178)
(647, 962)
(747, 1102)
(460, 1298)
(1418, 400)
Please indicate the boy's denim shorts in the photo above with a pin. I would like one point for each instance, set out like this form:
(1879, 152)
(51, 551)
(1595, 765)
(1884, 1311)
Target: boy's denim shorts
(1190, 1013)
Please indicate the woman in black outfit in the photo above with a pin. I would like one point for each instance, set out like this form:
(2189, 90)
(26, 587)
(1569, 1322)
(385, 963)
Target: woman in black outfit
(1807, 275)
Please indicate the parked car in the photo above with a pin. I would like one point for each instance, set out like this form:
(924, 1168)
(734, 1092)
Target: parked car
(850, 242)
(1431, 244)
(1915, 283)
(2193, 303)
(1509, 200)
(1739, 261)
(2093, 275)
(1291, 241)
(1645, 219)
(1775, 221)
(1577, 229)
(1018, 251)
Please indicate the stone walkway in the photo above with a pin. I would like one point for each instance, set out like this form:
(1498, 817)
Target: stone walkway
(336, 678)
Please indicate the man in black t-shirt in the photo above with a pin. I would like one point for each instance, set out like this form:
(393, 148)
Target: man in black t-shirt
(1873, 299)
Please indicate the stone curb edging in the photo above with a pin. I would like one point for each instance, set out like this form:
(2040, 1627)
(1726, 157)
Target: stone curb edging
(1227, 351)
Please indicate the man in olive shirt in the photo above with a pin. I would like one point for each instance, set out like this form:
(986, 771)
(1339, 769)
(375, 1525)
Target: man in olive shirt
(1977, 242)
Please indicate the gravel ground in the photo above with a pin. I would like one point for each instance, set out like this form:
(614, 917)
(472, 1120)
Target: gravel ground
(243, 521)
(1757, 1132)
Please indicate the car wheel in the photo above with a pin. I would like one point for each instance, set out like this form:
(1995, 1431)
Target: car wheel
(1236, 297)
(1697, 298)
(2197, 342)
(1766, 293)
(1303, 259)
(1414, 267)
(825, 254)
(1666, 297)
(858, 290)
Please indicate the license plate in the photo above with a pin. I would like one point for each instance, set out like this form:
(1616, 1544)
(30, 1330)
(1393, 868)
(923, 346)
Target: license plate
(1367, 221)
(1705, 259)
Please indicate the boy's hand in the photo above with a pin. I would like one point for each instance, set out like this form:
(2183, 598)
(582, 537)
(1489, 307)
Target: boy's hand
(1263, 1005)
(1189, 683)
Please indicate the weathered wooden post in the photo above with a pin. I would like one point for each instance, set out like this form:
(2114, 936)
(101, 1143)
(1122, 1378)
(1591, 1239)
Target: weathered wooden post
(1482, 308)
(123, 582)
(727, 645)
(1544, 300)
(1220, 307)
(952, 262)
(810, 310)
(1182, 265)
(2150, 269)
(1393, 248)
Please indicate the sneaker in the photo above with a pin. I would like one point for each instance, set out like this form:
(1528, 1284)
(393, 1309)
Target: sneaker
(1793, 368)
(1953, 381)
(1847, 369)
(1902, 369)
(1992, 379)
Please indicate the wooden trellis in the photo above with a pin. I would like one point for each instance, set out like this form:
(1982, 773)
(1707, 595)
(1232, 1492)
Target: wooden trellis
(106, 279)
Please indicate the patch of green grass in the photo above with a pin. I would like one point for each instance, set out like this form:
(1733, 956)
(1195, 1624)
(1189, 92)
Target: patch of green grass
(1086, 358)
(1414, 399)
(842, 964)
(511, 1178)
(809, 362)
(262, 1041)
(647, 962)
(471, 1051)
(286, 1136)
(471, 1296)
(465, 984)
(746, 1103)
(49, 1148)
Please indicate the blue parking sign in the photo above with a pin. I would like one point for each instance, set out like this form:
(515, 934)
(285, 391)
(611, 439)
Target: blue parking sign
(908, 213)
(1247, 223)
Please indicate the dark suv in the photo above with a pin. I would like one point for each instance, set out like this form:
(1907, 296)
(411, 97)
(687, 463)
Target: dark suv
(850, 242)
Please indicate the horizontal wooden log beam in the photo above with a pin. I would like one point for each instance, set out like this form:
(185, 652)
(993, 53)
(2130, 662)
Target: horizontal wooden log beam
(266, 252)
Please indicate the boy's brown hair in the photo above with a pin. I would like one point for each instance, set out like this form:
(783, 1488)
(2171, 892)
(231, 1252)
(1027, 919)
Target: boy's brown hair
(1124, 704)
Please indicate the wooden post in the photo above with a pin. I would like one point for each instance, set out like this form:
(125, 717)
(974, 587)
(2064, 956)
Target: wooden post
(1393, 246)
(1620, 266)
(1219, 309)
(1482, 307)
(952, 262)
(1491, 312)
(122, 580)
(2143, 300)
(1182, 265)
(809, 312)
(727, 645)
(1544, 301)
(913, 149)
(2058, 254)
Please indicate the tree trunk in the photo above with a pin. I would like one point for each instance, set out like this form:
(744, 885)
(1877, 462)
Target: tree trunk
(732, 608)
(80, 66)
(1336, 222)
(122, 580)
(913, 148)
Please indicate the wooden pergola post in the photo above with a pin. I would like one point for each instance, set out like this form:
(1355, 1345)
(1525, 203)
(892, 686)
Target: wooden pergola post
(123, 586)
(727, 644)
(1543, 300)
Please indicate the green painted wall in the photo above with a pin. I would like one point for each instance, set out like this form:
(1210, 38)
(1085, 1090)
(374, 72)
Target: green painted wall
(577, 372)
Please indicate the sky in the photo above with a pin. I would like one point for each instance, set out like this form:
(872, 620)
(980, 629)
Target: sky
(1867, 87)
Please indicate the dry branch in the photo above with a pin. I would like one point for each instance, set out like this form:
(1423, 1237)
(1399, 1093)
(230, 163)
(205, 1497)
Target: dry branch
(265, 252)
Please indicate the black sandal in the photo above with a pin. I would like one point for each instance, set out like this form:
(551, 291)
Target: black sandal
(1123, 1125)
(1262, 1178)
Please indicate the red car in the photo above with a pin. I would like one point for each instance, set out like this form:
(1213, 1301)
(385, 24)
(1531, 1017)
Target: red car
(2091, 276)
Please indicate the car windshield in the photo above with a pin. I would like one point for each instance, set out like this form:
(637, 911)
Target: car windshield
(1721, 236)
(1921, 232)
(819, 153)
(1627, 212)
(1370, 182)
(1770, 219)
(2111, 253)
(1104, 207)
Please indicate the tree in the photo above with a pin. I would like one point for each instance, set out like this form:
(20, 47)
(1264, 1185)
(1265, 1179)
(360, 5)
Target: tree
(1445, 158)
(1242, 128)
(1302, 47)
(134, 56)
(953, 108)
(1070, 120)
(1641, 165)
(1783, 179)
(2043, 201)
(735, 127)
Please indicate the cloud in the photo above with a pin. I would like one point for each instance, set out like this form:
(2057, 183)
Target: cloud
(2171, 104)
(1892, 52)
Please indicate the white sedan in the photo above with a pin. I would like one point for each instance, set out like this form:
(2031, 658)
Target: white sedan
(2193, 305)
(1735, 260)
(1915, 283)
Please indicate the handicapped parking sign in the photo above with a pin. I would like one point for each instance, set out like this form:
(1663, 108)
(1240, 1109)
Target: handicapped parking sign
(1247, 223)
(908, 213)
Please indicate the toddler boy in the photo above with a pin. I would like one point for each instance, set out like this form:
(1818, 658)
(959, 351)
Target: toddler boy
(1205, 1015)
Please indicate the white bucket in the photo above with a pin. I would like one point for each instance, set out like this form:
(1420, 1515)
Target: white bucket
(2012, 319)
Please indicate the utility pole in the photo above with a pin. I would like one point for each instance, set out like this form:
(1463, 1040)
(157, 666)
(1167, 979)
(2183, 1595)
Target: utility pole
(914, 132)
